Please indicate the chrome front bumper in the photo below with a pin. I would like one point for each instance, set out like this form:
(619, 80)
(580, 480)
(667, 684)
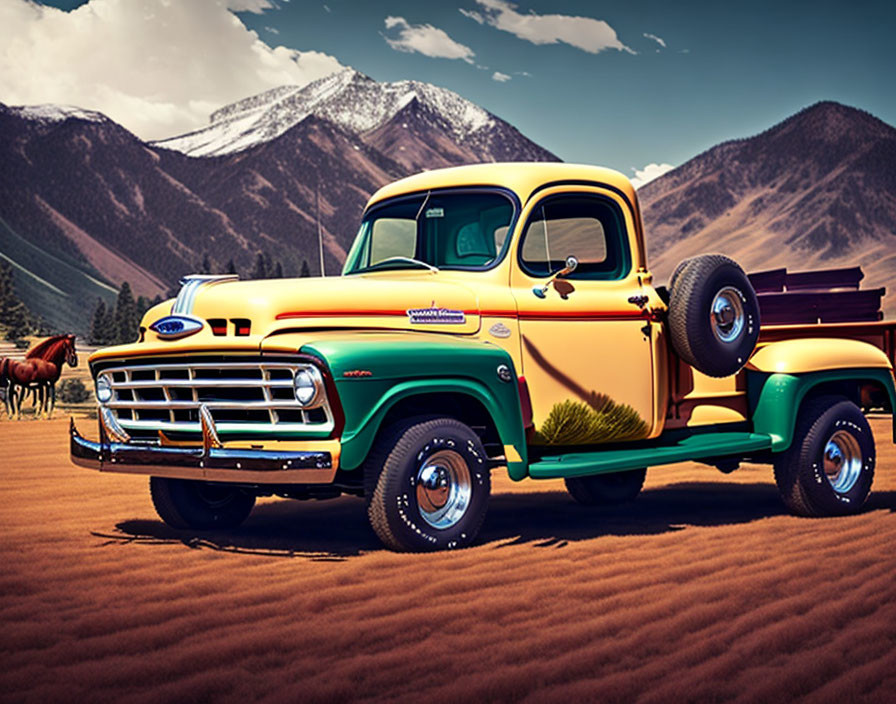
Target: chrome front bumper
(209, 462)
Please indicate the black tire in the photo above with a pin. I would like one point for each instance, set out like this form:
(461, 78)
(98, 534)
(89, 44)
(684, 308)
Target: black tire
(606, 489)
(676, 273)
(804, 473)
(182, 503)
(404, 513)
(715, 344)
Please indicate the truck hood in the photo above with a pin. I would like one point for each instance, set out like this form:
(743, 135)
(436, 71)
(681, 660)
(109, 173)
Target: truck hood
(413, 302)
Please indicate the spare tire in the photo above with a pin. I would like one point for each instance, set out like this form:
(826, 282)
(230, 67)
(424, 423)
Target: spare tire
(713, 315)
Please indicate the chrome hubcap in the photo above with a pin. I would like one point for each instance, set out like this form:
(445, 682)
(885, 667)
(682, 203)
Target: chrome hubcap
(842, 461)
(443, 489)
(727, 314)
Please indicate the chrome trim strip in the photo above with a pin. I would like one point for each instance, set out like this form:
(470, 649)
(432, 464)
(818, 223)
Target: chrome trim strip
(190, 285)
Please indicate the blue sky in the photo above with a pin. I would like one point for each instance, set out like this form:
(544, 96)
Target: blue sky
(584, 80)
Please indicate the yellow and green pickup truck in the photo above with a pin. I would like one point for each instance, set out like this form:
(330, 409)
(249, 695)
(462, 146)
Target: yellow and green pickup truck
(498, 315)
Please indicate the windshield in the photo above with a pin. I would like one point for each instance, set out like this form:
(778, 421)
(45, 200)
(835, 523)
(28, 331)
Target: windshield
(448, 230)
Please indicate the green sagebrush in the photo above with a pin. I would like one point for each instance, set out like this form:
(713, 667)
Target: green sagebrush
(601, 420)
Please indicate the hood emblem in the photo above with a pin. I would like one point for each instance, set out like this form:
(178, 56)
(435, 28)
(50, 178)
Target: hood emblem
(181, 322)
(172, 327)
(499, 330)
(436, 316)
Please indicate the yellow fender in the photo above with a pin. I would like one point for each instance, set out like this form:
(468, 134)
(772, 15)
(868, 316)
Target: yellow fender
(815, 355)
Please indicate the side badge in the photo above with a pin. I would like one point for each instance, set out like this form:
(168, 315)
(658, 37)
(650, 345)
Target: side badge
(499, 330)
(436, 316)
(174, 326)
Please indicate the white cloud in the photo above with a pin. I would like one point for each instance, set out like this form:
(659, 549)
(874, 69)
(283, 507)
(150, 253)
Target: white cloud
(157, 67)
(256, 6)
(585, 33)
(658, 40)
(427, 40)
(473, 15)
(500, 77)
(649, 173)
(272, 30)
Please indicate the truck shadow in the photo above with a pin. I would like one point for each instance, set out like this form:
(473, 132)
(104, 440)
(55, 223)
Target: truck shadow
(337, 530)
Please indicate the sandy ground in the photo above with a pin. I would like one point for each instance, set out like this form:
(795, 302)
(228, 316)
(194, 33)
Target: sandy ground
(702, 590)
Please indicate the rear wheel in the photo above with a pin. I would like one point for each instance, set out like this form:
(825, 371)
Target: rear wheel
(606, 489)
(428, 484)
(829, 467)
(182, 503)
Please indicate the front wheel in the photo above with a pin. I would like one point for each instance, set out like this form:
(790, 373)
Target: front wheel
(829, 467)
(429, 485)
(182, 503)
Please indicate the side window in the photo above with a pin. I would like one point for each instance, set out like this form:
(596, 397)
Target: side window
(587, 227)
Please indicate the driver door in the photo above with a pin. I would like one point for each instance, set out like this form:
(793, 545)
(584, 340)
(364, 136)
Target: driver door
(586, 348)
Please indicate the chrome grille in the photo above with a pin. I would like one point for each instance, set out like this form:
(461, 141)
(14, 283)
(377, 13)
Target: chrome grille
(242, 397)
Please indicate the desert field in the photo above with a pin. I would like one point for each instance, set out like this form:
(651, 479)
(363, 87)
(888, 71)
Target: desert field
(702, 590)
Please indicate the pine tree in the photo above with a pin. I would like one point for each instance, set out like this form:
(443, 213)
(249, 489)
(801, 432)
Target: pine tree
(14, 315)
(306, 272)
(126, 321)
(260, 271)
(98, 330)
(206, 266)
(231, 267)
(278, 271)
(143, 305)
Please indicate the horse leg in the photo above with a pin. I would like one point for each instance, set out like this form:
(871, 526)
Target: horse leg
(52, 401)
(20, 396)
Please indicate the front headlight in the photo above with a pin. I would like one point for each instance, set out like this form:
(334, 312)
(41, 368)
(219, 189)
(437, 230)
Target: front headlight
(103, 389)
(307, 386)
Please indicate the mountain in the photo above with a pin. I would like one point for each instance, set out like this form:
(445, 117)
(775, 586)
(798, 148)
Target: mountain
(816, 191)
(383, 115)
(85, 204)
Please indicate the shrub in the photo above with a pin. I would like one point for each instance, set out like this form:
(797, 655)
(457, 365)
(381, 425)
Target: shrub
(72, 391)
(577, 423)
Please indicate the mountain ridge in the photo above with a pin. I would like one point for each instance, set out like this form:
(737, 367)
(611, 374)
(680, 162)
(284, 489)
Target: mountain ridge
(89, 193)
(816, 190)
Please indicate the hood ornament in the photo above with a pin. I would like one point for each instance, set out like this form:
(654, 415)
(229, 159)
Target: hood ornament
(182, 322)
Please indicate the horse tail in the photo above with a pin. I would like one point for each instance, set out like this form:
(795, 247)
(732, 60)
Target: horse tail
(4, 371)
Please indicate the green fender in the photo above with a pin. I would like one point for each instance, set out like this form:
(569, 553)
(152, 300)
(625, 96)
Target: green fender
(775, 398)
(374, 372)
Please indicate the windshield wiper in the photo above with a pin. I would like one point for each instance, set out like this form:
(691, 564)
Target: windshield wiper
(408, 260)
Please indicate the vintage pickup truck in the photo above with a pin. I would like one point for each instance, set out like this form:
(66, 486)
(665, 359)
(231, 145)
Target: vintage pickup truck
(487, 316)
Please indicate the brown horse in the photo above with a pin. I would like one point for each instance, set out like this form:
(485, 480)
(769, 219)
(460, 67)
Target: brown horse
(38, 374)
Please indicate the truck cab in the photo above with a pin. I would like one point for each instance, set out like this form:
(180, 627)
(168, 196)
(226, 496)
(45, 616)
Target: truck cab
(489, 315)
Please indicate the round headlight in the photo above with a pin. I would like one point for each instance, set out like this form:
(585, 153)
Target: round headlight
(103, 390)
(305, 387)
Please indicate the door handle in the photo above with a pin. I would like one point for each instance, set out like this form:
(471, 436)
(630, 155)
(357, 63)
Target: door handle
(639, 301)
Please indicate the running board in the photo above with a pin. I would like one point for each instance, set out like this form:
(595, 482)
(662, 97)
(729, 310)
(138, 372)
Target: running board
(694, 447)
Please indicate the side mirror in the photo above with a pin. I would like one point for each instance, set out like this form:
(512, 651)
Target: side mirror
(571, 264)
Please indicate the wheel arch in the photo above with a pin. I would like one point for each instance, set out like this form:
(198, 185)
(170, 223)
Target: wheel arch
(465, 400)
(776, 399)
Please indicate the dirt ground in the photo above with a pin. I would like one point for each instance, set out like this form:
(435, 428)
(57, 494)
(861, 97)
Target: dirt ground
(702, 590)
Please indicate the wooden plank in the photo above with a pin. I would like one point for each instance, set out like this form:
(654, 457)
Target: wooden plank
(820, 306)
(824, 279)
(768, 281)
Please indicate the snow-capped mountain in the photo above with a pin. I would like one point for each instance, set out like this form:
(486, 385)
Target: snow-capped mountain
(85, 204)
(56, 113)
(362, 107)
